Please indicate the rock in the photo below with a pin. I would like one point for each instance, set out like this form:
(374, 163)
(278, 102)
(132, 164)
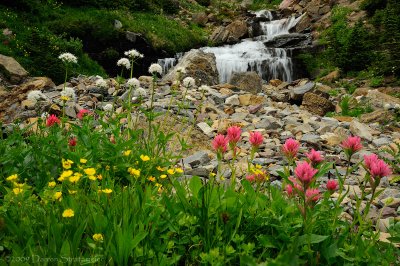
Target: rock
(334, 75)
(383, 225)
(205, 128)
(198, 65)
(285, 4)
(199, 158)
(12, 69)
(231, 33)
(117, 24)
(292, 40)
(361, 130)
(297, 93)
(247, 81)
(254, 108)
(317, 103)
(379, 116)
(251, 99)
(304, 24)
(378, 142)
(233, 100)
(200, 18)
(379, 99)
(275, 82)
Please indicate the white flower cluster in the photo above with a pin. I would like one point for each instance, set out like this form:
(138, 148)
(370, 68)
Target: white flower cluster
(101, 83)
(68, 58)
(204, 88)
(35, 96)
(134, 83)
(140, 92)
(124, 62)
(133, 54)
(68, 92)
(189, 82)
(155, 68)
(108, 107)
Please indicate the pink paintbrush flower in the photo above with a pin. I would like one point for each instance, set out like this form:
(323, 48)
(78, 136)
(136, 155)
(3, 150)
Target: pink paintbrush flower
(233, 134)
(220, 143)
(352, 145)
(51, 120)
(290, 148)
(82, 113)
(256, 139)
(332, 185)
(314, 156)
(312, 194)
(304, 172)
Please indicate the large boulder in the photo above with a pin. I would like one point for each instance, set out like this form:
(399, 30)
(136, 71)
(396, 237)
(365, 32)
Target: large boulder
(317, 102)
(199, 65)
(247, 81)
(380, 100)
(231, 33)
(297, 93)
(12, 69)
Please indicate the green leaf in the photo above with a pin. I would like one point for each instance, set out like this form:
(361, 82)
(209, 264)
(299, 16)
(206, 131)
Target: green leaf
(65, 249)
(136, 240)
(312, 239)
(195, 185)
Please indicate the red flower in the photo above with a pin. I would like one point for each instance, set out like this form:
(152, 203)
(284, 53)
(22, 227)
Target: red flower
(82, 113)
(256, 139)
(305, 172)
(233, 134)
(352, 144)
(220, 143)
(332, 185)
(51, 120)
(380, 169)
(289, 190)
(312, 194)
(72, 142)
(314, 156)
(290, 148)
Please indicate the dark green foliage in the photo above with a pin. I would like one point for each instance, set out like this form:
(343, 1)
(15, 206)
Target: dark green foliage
(372, 5)
(204, 2)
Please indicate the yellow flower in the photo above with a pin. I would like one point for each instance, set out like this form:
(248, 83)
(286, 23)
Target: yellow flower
(258, 166)
(179, 170)
(64, 98)
(17, 190)
(159, 168)
(57, 195)
(75, 178)
(134, 172)
(92, 177)
(67, 163)
(83, 161)
(171, 171)
(98, 237)
(127, 153)
(68, 213)
(158, 185)
(72, 192)
(107, 191)
(159, 190)
(90, 171)
(213, 174)
(151, 179)
(52, 184)
(163, 176)
(20, 185)
(107, 167)
(12, 177)
(65, 174)
(144, 158)
(99, 177)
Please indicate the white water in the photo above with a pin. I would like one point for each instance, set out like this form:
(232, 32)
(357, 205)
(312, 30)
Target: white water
(252, 54)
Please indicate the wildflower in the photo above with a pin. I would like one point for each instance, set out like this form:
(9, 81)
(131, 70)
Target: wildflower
(159, 168)
(68, 58)
(12, 177)
(204, 88)
(72, 142)
(52, 184)
(108, 107)
(72, 192)
(134, 83)
(17, 191)
(140, 92)
(155, 68)
(289, 190)
(251, 178)
(124, 62)
(179, 170)
(127, 152)
(256, 139)
(144, 158)
(35, 95)
(51, 120)
(220, 143)
(296, 184)
(151, 179)
(370, 159)
(68, 93)
(290, 148)
(98, 237)
(64, 98)
(66, 163)
(65, 174)
(107, 191)
(134, 172)
(99, 177)
(83, 161)
(101, 83)
(171, 171)
(312, 194)
(189, 82)
(133, 54)
(332, 185)
(233, 134)
(314, 156)
(90, 171)
(379, 169)
(82, 113)
(305, 172)
(57, 196)
(68, 213)
(163, 176)
(75, 178)
(352, 145)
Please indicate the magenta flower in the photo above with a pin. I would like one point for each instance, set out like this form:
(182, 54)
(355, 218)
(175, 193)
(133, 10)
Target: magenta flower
(82, 113)
(296, 184)
(312, 194)
(251, 178)
(233, 134)
(289, 190)
(352, 144)
(220, 143)
(51, 120)
(379, 169)
(314, 156)
(369, 160)
(72, 141)
(305, 172)
(256, 139)
(332, 185)
(290, 148)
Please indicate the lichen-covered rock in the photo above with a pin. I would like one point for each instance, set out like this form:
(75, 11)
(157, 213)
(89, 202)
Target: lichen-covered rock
(317, 103)
(12, 69)
(247, 81)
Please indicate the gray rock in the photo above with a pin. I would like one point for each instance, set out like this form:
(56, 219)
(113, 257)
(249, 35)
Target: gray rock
(247, 81)
(206, 128)
(297, 93)
(381, 141)
(199, 158)
(361, 130)
(233, 100)
(12, 69)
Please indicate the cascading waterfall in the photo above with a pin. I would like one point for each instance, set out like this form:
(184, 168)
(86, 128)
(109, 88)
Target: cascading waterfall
(252, 54)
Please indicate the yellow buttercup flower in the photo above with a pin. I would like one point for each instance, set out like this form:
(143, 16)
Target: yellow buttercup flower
(163, 176)
(52, 184)
(179, 170)
(12, 177)
(258, 166)
(90, 171)
(64, 98)
(151, 179)
(171, 171)
(20, 185)
(17, 190)
(92, 177)
(65, 174)
(66, 163)
(75, 178)
(98, 237)
(83, 160)
(57, 195)
(144, 158)
(72, 192)
(159, 168)
(107, 191)
(134, 172)
(68, 213)
(99, 177)
(127, 153)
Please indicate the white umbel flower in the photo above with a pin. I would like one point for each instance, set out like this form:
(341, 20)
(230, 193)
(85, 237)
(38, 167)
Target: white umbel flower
(189, 82)
(101, 83)
(155, 68)
(133, 54)
(68, 92)
(134, 83)
(68, 58)
(108, 107)
(35, 96)
(124, 62)
(204, 88)
(140, 92)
